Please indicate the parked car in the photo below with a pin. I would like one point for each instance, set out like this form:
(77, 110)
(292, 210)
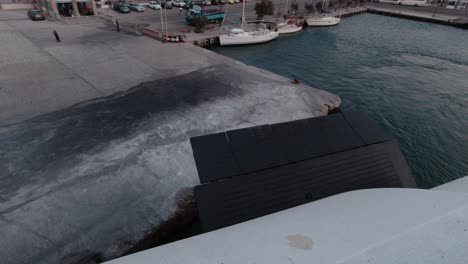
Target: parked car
(192, 3)
(122, 8)
(179, 3)
(166, 5)
(411, 2)
(136, 7)
(35, 14)
(154, 5)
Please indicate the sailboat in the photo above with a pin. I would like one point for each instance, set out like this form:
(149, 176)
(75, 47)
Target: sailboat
(239, 36)
(324, 20)
(288, 26)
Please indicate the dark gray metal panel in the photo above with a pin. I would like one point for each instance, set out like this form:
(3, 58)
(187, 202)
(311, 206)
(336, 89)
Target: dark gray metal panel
(262, 147)
(213, 157)
(367, 129)
(318, 136)
(256, 148)
(252, 195)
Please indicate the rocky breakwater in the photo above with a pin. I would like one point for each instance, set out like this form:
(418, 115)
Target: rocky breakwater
(96, 177)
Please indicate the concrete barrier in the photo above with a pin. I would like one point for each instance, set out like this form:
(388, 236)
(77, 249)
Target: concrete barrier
(152, 33)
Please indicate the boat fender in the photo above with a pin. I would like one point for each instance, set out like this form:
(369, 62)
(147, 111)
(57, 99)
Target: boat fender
(212, 41)
(168, 38)
(177, 39)
(207, 42)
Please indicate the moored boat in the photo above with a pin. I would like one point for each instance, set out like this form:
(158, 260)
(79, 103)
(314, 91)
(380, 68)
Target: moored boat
(238, 36)
(289, 27)
(322, 21)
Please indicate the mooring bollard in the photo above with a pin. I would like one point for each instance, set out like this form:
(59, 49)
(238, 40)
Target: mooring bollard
(56, 36)
(117, 24)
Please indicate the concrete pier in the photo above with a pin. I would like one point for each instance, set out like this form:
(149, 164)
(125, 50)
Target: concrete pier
(449, 17)
(94, 131)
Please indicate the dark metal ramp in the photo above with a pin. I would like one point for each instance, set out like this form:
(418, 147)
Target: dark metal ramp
(252, 172)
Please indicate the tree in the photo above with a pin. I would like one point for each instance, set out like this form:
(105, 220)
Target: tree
(294, 7)
(264, 8)
(199, 22)
(342, 3)
(318, 6)
(309, 7)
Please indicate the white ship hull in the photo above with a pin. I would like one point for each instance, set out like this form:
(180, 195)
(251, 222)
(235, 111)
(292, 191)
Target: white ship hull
(288, 29)
(245, 38)
(323, 21)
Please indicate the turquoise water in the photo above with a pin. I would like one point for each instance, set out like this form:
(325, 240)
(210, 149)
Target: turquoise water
(411, 77)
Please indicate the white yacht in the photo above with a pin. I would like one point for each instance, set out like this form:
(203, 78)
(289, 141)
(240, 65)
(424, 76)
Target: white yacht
(321, 21)
(288, 27)
(290, 24)
(239, 36)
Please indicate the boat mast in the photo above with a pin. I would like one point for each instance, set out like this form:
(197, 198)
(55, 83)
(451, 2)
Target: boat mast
(243, 13)
(162, 21)
(287, 8)
(279, 10)
(224, 17)
(165, 18)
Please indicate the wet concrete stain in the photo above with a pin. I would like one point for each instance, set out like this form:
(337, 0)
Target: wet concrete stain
(300, 242)
(48, 143)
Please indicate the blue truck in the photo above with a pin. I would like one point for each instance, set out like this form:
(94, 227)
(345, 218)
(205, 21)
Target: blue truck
(213, 15)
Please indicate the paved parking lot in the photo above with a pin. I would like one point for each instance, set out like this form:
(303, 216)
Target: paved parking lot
(39, 75)
(13, 15)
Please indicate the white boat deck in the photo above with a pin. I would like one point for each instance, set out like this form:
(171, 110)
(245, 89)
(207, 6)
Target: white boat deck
(368, 226)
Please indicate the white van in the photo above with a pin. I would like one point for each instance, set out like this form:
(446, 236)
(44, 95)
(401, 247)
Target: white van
(411, 2)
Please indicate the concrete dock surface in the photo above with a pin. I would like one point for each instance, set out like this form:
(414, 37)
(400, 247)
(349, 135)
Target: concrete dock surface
(94, 131)
(434, 14)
